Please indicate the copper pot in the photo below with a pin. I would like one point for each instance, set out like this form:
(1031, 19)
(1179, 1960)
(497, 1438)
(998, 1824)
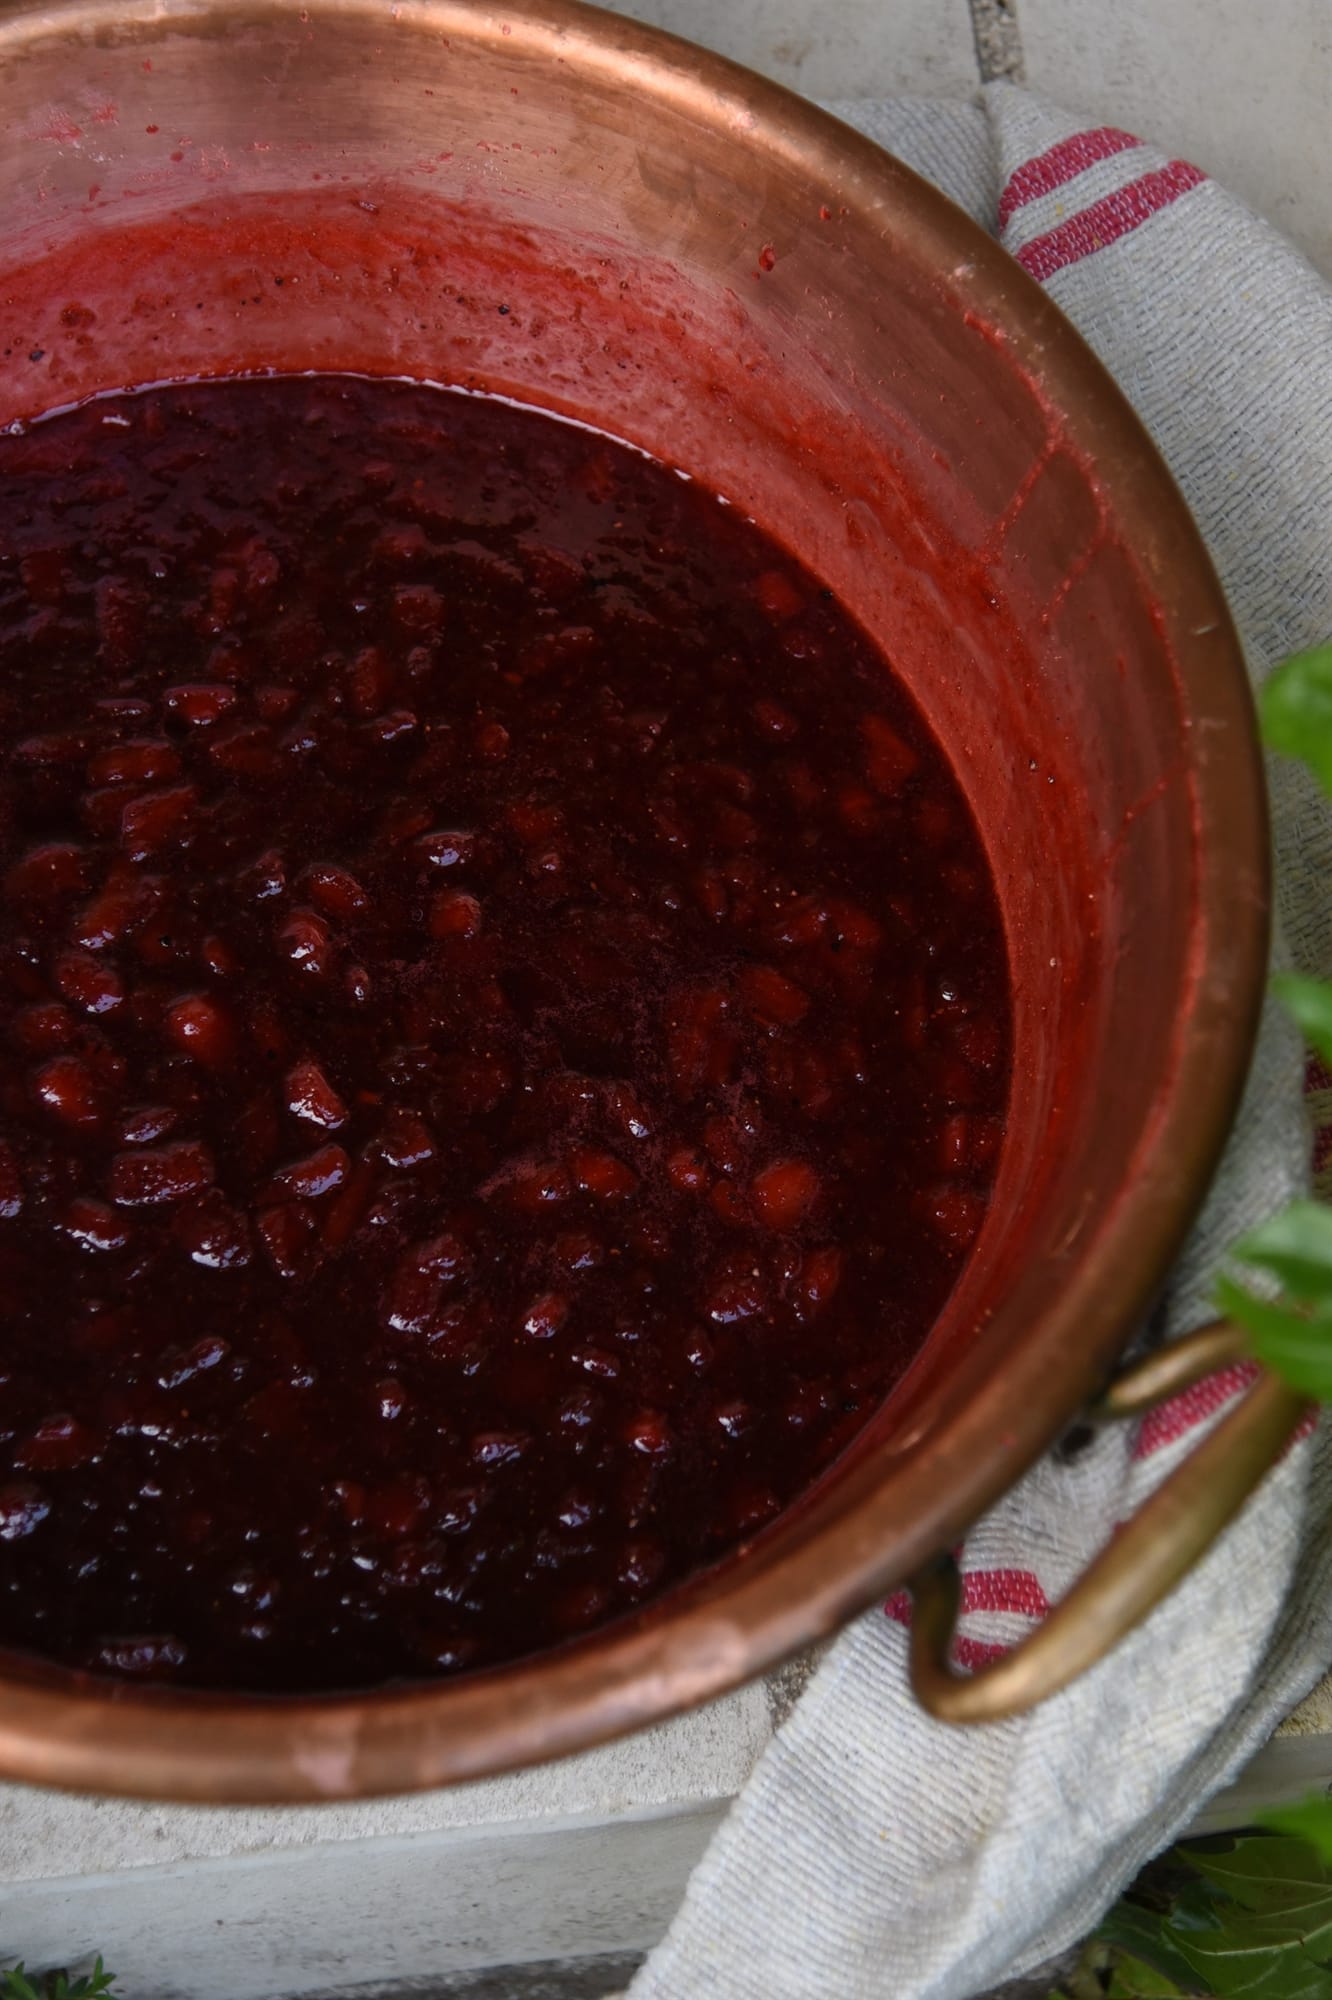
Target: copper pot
(699, 262)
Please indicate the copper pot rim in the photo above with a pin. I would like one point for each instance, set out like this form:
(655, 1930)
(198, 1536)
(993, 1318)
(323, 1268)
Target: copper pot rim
(58, 1728)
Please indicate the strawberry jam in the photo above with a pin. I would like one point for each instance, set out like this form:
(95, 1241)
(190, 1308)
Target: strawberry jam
(506, 1032)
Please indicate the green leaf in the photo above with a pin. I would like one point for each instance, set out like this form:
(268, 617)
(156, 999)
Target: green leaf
(1265, 1872)
(1261, 1926)
(17, 1986)
(1241, 1917)
(1134, 1979)
(1247, 1957)
(1296, 708)
(1309, 1003)
(1193, 1909)
(97, 1983)
(1292, 1344)
(1143, 1934)
(1295, 1245)
(1310, 1820)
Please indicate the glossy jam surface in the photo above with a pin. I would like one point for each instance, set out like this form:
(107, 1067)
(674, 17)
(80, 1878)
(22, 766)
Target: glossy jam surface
(505, 1033)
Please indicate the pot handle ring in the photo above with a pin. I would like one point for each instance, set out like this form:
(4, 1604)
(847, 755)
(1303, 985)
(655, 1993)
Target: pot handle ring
(1140, 1565)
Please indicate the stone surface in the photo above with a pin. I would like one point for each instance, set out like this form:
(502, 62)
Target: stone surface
(567, 1862)
(694, 1763)
(998, 40)
(859, 48)
(397, 1914)
(599, 1978)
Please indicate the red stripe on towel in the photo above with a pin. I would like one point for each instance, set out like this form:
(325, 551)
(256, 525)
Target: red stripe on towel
(1106, 221)
(1061, 164)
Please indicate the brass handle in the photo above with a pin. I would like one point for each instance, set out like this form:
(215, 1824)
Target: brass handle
(1140, 1565)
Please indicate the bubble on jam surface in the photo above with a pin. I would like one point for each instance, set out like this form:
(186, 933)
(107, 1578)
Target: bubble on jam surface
(506, 1029)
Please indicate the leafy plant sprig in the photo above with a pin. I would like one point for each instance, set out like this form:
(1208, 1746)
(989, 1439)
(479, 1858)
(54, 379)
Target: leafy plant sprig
(16, 1984)
(1291, 1332)
(1244, 1917)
